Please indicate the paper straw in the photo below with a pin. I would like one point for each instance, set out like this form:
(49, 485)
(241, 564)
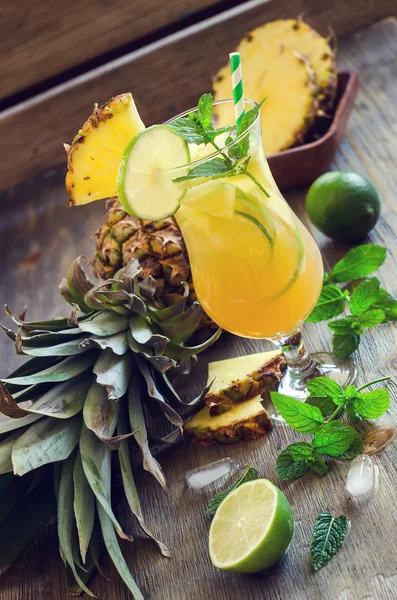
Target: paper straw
(237, 84)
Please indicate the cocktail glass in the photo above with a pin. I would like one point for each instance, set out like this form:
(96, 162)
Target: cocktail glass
(257, 271)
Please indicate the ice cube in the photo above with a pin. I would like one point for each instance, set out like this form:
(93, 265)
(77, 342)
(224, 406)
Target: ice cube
(217, 472)
(362, 478)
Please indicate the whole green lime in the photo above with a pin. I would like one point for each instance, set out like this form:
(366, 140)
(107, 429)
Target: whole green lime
(343, 205)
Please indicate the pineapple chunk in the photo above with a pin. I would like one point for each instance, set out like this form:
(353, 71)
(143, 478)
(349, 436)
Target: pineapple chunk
(238, 379)
(94, 156)
(246, 421)
(285, 78)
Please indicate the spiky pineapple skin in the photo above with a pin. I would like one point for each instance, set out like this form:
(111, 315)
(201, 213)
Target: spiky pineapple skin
(159, 247)
(256, 383)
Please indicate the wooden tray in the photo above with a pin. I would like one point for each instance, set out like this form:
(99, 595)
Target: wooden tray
(303, 164)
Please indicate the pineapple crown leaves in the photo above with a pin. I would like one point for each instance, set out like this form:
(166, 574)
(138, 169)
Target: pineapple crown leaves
(94, 383)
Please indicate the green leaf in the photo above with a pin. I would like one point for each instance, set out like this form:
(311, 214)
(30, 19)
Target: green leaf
(12, 424)
(344, 345)
(215, 167)
(355, 448)
(328, 535)
(101, 415)
(64, 400)
(249, 474)
(113, 372)
(115, 554)
(388, 304)
(371, 405)
(66, 349)
(343, 326)
(48, 441)
(118, 343)
(299, 415)
(6, 447)
(205, 110)
(288, 468)
(130, 490)
(359, 262)
(326, 405)
(182, 326)
(104, 323)
(334, 438)
(179, 352)
(364, 295)
(78, 283)
(324, 386)
(161, 363)
(96, 459)
(84, 506)
(138, 425)
(66, 369)
(301, 450)
(142, 332)
(318, 465)
(370, 318)
(350, 412)
(65, 519)
(330, 304)
(189, 130)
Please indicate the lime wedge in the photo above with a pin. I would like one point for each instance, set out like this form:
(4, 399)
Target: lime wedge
(148, 166)
(252, 528)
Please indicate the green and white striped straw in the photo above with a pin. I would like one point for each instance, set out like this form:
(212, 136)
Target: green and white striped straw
(237, 84)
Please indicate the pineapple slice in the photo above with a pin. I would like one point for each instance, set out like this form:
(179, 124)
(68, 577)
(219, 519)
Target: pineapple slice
(94, 156)
(238, 379)
(285, 78)
(247, 421)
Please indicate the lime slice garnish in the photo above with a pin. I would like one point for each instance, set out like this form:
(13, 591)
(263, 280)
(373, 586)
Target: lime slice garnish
(148, 166)
(252, 528)
(249, 209)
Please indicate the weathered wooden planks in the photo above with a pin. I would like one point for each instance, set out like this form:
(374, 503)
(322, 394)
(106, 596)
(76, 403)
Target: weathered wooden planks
(41, 39)
(40, 242)
(165, 77)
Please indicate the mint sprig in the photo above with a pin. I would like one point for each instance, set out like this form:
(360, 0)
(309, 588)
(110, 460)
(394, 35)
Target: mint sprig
(369, 304)
(331, 438)
(248, 475)
(328, 535)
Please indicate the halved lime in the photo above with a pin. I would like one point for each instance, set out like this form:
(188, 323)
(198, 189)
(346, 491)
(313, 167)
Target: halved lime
(252, 528)
(148, 166)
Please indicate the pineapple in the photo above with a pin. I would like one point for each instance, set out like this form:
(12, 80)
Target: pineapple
(291, 103)
(247, 421)
(238, 379)
(94, 156)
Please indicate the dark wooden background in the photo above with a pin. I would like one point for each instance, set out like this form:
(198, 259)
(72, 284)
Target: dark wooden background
(40, 235)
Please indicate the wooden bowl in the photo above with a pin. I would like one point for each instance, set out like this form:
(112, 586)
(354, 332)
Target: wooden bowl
(303, 164)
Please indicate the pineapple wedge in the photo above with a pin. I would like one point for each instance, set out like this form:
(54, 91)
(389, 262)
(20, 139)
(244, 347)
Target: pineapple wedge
(238, 379)
(285, 78)
(94, 156)
(246, 421)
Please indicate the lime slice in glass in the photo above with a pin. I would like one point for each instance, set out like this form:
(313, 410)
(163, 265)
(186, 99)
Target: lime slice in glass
(251, 529)
(150, 163)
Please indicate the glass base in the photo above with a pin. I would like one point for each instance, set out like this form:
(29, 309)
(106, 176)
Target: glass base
(343, 372)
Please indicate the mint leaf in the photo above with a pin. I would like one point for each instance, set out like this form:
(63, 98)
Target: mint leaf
(355, 448)
(372, 405)
(213, 168)
(324, 386)
(342, 326)
(350, 391)
(344, 345)
(299, 415)
(388, 304)
(334, 438)
(288, 468)
(250, 117)
(358, 262)
(328, 535)
(330, 304)
(189, 130)
(249, 475)
(318, 464)
(241, 148)
(326, 405)
(301, 450)
(351, 412)
(370, 318)
(364, 295)
(205, 110)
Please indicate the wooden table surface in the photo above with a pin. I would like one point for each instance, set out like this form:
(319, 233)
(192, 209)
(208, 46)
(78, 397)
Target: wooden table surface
(40, 236)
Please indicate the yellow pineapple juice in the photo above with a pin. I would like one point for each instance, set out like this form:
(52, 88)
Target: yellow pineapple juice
(257, 271)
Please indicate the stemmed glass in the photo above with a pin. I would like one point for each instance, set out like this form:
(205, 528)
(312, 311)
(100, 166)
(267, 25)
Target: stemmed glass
(257, 271)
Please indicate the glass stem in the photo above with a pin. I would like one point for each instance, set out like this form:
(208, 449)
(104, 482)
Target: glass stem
(299, 363)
